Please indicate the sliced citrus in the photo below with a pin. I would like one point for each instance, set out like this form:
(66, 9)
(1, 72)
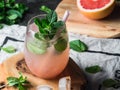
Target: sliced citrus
(34, 49)
(37, 47)
(95, 9)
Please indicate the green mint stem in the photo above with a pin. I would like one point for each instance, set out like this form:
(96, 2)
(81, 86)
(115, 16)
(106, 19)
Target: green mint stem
(3, 86)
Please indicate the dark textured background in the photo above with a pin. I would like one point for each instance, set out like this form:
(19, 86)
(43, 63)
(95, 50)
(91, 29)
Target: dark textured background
(34, 6)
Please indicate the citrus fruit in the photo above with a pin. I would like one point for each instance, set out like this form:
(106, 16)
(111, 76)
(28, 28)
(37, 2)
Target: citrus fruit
(95, 9)
(34, 49)
(37, 47)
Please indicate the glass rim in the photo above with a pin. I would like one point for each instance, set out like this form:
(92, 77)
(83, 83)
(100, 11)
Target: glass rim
(56, 34)
(38, 16)
(28, 24)
(34, 17)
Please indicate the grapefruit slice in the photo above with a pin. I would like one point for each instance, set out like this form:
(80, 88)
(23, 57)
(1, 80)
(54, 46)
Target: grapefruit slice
(96, 9)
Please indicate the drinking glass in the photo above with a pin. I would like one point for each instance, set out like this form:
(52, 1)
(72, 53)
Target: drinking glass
(46, 58)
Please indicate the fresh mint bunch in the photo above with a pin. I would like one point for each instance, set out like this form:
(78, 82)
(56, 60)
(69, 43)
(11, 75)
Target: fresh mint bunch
(49, 26)
(11, 12)
(19, 82)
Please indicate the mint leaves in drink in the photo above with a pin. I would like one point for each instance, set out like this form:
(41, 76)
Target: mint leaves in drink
(49, 25)
(50, 29)
(61, 45)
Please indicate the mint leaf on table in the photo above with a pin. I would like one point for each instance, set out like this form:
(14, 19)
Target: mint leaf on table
(117, 85)
(14, 12)
(1, 26)
(21, 8)
(1, 4)
(19, 82)
(11, 12)
(9, 49)
(78, 46)
(93, 69)
(109, 83)
(12, 16)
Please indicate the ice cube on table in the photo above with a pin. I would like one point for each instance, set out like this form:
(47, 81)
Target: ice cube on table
(44, 87)
(65, 83)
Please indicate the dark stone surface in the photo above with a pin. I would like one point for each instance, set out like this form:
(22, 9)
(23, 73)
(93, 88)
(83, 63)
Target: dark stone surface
(34, 6)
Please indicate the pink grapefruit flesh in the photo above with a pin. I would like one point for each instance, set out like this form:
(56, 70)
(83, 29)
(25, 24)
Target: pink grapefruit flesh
(93, 4)
(96, 9)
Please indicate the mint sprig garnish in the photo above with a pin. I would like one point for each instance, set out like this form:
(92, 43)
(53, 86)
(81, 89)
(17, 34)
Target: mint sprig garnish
(20, 82)
(48, 27)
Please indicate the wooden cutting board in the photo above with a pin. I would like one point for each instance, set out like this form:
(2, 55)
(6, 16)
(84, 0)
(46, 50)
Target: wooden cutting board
(108, 27)
(15, 64)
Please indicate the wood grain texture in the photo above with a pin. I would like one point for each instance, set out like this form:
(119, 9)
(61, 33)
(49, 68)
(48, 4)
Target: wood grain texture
(16, 64)
(108, 27)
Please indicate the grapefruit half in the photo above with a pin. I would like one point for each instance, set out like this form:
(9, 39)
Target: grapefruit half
(95, 9)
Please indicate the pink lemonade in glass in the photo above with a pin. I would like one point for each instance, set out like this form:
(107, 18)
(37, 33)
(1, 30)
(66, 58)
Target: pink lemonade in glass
(46, 58)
